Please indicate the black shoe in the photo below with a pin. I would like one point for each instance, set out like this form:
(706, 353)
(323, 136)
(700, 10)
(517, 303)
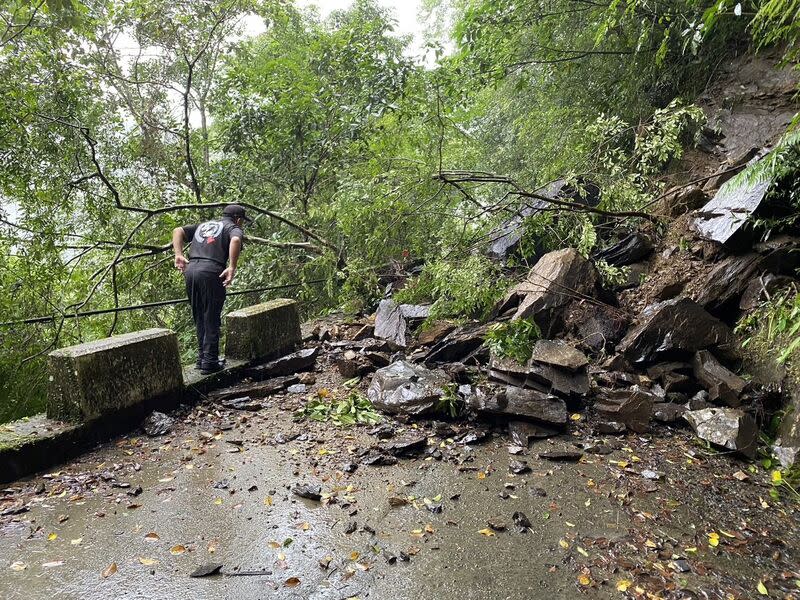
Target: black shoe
(212, 367)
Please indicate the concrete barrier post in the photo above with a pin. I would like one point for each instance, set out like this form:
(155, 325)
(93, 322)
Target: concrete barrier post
(121, 375)
(262, 331)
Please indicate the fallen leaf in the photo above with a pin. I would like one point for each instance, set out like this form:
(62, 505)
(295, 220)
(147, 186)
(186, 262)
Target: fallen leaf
(76, 542)
(218, 501)
(563, 543)
(152, 537)
(429, 528)
(713, 539)
(623, 585)
(148, 562)
(274, 544)
(292, 582)
(487, 532)
(179, 549)
(18, 566)
(268, 501)
(584, 579)
(354, 555)
(762, 589)
(109, 570)
(52, 537)
(54, 563)
(582, 551)
(304, 526)
(575, 417)
(481, 475)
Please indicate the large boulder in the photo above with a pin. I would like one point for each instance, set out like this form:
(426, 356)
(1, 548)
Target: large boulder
(674, 328)
(404, 388)
(725, 218)
(728, 427)
(554, 281)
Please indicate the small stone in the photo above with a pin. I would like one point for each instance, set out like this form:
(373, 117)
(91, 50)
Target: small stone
(297, 388)
(157, 423)
(562, 455)
(206, 570)
(518, 467)
(309, 491)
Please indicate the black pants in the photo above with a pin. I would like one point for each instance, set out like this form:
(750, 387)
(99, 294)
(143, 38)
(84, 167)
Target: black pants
(207, 296)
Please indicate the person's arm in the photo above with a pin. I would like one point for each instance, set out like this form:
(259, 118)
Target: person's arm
(233, 255)
(178, 238)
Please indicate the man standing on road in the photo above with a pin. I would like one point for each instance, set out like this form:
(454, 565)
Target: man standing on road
(207, 274)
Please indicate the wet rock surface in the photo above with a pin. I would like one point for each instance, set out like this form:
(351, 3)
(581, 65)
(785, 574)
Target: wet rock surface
(674, 328)
(727, 427)
(403, 388)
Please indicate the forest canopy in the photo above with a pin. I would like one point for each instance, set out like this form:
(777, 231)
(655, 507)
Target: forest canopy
(125, 118)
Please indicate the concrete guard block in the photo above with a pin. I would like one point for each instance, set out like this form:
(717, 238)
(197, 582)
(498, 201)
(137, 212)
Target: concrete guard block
(262, 331)
(116, 376)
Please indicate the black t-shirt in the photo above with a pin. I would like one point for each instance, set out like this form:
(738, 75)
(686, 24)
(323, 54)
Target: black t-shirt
(212, 240)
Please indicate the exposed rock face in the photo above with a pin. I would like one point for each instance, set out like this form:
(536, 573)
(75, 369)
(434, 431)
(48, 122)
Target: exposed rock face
(436, 333)
(632, 407)
(403, 388)
(392, 320)
(722, 385)
(680, 201)
(673, 328)
(521, 403)
(553, 282)
(727, 427)
(598, 326)
(668, 412)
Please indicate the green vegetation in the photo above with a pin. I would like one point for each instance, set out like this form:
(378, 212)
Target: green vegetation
(125, 118)
(775, 325)
(513, 339)
(355, 409)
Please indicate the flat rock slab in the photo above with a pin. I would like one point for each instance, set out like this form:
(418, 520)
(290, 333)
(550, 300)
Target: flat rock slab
(728, 212)
(522, 432)
(559, 354)
(257, 389)
(544, 377)
(263, 331)
(136, 372)
(727, 427)
(673, 327)
(302, 360)
(562, 455)
(522, 404)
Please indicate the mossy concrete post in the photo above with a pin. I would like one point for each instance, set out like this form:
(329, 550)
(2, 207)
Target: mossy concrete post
(262, 331)
(121, 376)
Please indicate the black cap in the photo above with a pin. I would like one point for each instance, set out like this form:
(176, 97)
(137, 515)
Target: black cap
(234, 211)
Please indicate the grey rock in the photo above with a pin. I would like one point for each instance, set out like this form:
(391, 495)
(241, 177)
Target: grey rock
(303, 360)
(411, 444)
(403, 388)
(392, 320)
(630, 249)
(258, 389)
(559, 354)
(786, 455)
(521, 403)
(297, 388)
(522, 432)
(544, 377)
(552, 284)
(668, 412)
(728, 427)
(309, 491)
(633, 407)
(611, 427)
(724, 217)
(157, 423)
(679, 326)
(458, 344)
(722, 384)
(244, 403)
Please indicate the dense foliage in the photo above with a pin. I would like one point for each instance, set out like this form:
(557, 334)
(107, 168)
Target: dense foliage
(124, 118)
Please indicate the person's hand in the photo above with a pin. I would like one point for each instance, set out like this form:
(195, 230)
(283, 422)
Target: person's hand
(227, 276)
(181, 263)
